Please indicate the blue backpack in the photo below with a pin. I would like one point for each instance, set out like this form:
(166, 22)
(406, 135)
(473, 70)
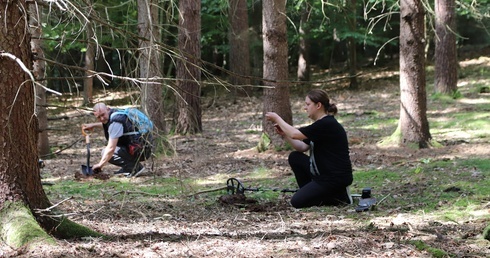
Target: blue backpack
(140, 121)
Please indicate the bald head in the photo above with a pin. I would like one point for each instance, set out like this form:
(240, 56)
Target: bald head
(99, 106)
(101, 112)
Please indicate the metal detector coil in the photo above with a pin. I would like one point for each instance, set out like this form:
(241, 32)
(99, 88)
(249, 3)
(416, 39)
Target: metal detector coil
(234, 186)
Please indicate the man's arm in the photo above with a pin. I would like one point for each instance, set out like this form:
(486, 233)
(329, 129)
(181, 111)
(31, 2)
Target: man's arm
(108, 153)
(92, 126)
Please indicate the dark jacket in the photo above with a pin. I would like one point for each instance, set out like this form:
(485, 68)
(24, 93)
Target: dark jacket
(125, 140)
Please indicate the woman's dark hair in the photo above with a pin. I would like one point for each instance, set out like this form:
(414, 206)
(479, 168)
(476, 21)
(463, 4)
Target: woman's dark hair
(321, 96)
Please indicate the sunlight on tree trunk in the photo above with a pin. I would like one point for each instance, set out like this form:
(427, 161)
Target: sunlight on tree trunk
(446, 63)
(413, 124)
(276, 95)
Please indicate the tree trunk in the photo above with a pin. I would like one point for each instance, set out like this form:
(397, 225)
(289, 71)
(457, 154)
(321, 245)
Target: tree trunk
(39, 69)
(352, 21)
(413, 124)
(88, 81)
(303, 72)
(276, 95)
(150, 63)
(446, 63)
(189, 68)
(256, 43)
(21, 192)
(239, 46)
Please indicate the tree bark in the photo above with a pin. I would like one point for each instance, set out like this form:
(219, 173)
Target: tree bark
(150, 63)
(276, 95)
(239, 46)
(446, 63)
(413, 124)
(39, 69)
(21, 192)
(188, 119)
(303, 72)
(88, 81)
(352, 21)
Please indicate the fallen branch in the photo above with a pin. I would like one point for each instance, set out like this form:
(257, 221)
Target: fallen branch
(208, 191)
(54, 206)
(137, 192)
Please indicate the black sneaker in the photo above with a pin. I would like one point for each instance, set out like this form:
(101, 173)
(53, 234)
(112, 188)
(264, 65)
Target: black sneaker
(121, 172)
(137, 171)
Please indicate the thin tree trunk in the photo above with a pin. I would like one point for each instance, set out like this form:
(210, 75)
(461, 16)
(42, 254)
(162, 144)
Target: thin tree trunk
(188, 69)
(276, 96)
(39, 69)
(352, 21)
(303, 72)
(239, 46)
(150, 63)
(446, 63)
(88, 81)
(413, 124)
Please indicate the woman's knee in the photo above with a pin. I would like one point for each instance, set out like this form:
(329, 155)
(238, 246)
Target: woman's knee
(295, 157)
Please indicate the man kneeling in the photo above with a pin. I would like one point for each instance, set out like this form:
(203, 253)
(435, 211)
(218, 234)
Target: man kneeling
(126, 146)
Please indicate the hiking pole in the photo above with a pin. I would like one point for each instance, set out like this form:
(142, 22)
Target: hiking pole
(234, 186)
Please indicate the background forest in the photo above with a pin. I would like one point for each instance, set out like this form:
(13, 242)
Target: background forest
(205, 71)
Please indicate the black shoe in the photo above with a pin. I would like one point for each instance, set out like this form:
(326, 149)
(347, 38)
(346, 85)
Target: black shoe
(137, 171)
(122, 172)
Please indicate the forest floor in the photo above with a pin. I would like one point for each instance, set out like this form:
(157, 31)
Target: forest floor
(186, 225)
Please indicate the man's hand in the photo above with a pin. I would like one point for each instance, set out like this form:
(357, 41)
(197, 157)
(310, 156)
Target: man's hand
(91, 126)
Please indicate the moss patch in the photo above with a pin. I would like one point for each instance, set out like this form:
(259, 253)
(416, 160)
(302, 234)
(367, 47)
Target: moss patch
(68, 229)
(19, 227)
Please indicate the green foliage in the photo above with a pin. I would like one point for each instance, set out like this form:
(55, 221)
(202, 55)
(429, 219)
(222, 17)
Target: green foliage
(264, 142)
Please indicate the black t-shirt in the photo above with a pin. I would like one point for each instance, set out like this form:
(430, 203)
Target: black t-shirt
(330, 149)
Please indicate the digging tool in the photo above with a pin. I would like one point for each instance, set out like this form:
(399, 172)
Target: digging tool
(87, 169)
(234, 186)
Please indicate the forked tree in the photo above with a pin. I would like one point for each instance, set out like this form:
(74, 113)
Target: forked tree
(24, 205)
(276, 92)
(413, 124)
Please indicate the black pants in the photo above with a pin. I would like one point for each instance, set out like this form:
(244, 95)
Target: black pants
(123, 159)
(312, 193)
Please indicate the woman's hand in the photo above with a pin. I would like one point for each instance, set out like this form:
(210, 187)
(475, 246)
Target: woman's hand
(272, 116)
(279, 130)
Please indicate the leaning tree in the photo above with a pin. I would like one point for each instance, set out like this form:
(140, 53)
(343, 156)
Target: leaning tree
(25, 213)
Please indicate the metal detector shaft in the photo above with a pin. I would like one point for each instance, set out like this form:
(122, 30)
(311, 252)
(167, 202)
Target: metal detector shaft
(234, 186)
